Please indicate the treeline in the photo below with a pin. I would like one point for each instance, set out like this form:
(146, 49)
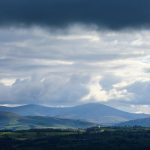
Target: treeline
(97, 138)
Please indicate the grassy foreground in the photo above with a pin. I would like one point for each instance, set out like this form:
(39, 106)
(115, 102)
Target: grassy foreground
(91, 139)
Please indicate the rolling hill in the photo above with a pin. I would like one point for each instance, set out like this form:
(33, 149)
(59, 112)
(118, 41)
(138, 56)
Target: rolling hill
(13, 121)
(93, 112)
(145, 122)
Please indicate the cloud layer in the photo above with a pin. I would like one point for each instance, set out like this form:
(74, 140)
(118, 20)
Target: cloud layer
(68, 52)
(51, 89)
(116, 14)
(76, 66)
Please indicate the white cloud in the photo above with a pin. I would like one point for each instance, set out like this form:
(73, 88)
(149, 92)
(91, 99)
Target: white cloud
(7, 82)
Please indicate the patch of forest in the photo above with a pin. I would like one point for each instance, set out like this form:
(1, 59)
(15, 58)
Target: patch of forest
(96, 138)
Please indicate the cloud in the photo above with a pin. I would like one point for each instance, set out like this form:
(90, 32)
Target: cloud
(52, 52)
(48, 89)
(116, 14)
(138, 100)
(75, 66)
(140, 92)
(108, 81)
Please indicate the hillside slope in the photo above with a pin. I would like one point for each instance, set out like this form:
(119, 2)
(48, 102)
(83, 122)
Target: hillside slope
(15, 122)
(145, 122)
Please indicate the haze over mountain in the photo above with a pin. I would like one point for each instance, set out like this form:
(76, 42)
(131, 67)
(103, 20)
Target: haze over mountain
(92, 112)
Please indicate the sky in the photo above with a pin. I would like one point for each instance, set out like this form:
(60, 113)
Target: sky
(72, 52)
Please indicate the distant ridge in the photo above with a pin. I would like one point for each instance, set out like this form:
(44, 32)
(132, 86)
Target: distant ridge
(145, 122)
(12, 121)
(92, 112)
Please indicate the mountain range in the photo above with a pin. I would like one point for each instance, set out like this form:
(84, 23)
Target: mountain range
(92, 112)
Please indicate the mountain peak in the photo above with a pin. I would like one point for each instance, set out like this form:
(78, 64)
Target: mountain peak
(31, 105)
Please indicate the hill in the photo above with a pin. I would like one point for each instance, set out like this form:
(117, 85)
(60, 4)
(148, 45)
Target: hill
(13, 121)
(145, 122)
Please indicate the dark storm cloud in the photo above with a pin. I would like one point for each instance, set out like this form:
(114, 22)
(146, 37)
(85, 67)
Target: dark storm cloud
(114, 14)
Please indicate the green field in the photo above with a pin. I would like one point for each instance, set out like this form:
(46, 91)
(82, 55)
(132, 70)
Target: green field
(135, 138)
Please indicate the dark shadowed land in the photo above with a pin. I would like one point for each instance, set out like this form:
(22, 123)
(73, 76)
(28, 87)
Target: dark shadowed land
(135, 138)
